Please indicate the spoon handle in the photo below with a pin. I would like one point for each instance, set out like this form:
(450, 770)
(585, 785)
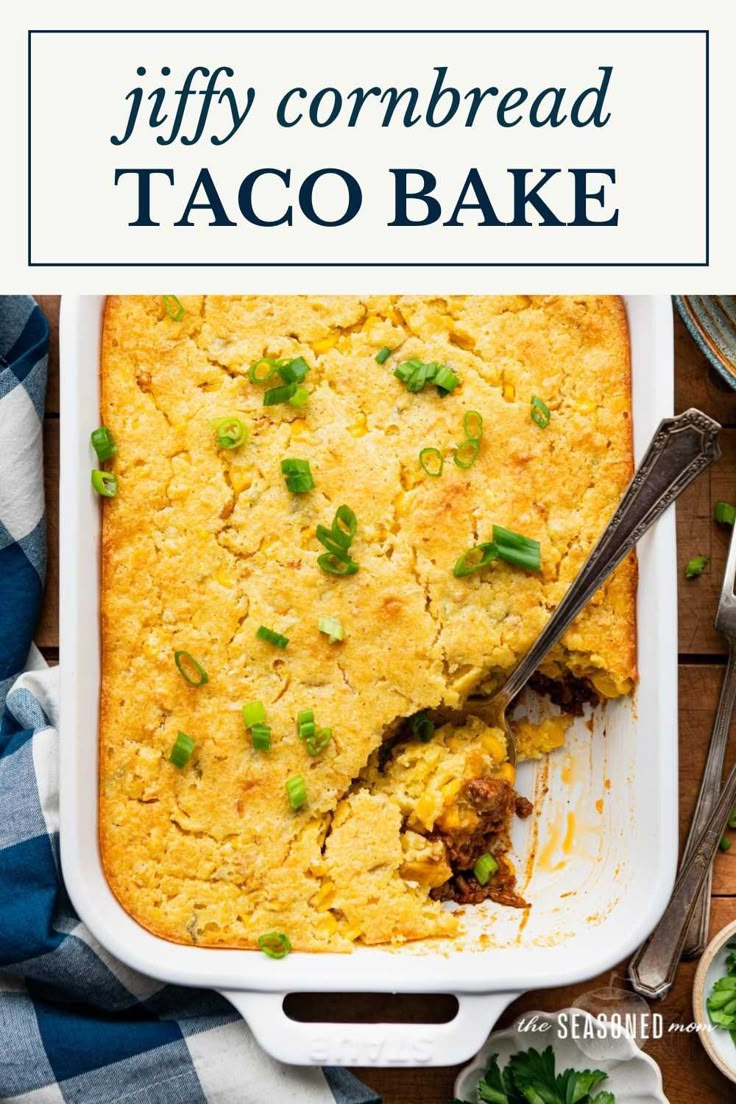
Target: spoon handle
(653, 967)
(679, 451)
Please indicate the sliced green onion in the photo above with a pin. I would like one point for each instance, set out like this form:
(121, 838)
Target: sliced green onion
(256, 375)
(230, 432)
(293, 371)
(332, 628)
(272, 637)
(103, 443)
(516, 549)
(260, 735)
(540, 413)
(299, 484)
(485, 868)
(317, 743)
(466, 454)
(277, 395)
(254, 713)
(105, 483)
(473, 425)
(422, 728)
(416, 374)
(445, 380)
(298, 475)
(405, 371)
(296, 791)
(431, 461)
(696, 566)
(475, 559)
(182, 750)
(345, 524)
(299, 398)
(337, 541)
(383, 355)
(725, 513)
(724, 844)
(184, 660)
(305, 723)
(274, 944)
(173, 307)
(332, 565)
(417, 380)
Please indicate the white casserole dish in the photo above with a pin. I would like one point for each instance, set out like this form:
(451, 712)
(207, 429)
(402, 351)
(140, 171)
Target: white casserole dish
(604, 834)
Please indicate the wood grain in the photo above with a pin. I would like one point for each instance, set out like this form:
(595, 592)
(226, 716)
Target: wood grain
(688, 1073)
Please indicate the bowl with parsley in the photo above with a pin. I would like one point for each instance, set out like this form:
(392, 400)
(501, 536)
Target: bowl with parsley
(545, 1058)
(714, 1000)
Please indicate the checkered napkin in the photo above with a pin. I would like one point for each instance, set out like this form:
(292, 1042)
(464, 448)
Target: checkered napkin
(75, 1024)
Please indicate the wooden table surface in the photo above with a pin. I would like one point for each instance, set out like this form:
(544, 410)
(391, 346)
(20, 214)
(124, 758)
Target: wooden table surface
(688, 1074)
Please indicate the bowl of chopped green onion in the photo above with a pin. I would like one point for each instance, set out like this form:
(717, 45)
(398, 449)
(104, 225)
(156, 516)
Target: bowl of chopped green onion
(714, 1000)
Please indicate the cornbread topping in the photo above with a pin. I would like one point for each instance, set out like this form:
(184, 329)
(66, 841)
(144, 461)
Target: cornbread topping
(337, 597)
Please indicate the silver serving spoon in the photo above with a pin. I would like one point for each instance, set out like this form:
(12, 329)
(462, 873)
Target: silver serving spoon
(680, 450)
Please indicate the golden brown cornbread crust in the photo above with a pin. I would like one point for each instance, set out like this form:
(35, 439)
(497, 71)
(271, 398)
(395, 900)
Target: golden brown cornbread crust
(202, 546)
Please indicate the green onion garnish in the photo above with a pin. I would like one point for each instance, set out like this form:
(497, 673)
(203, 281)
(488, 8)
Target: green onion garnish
(254, 713)
(332, 628)
(274, 944)
(445, 380)
(182, 750)
(383, 355)
(298, 475)
(105, 483)
(475, 559)
(724, 844)
(299, 398)
(422, 728)
(272, 637)
(277, 395)
(296, 791)
(103, 443)
(316, 743)
(230, 432)
(431, 461)
(260, 734)
(346, 524)
(173, 307)
(473, 425)
(305, 723)
(725, 513)
(185, 662)
(337, 541)
(466, 454)
(332, 565)
(696, 566)
(257, 373)
(293, 371)
(516, 549)
(540, 413)
(485, 868)
(416, 374)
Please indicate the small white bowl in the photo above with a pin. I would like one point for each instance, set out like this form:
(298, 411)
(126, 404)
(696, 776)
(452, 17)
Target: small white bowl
(719, 1046)
(633, 1077)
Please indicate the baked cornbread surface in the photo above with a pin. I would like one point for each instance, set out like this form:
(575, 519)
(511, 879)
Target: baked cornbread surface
(201, 546)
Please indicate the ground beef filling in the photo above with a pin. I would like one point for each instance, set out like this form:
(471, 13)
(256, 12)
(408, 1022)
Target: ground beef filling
(571, 694)
(495, 802)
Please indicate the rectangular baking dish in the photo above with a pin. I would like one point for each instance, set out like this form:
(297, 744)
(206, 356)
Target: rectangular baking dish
(597, 859)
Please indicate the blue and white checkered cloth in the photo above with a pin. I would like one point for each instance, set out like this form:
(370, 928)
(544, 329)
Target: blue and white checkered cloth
(75, 1024)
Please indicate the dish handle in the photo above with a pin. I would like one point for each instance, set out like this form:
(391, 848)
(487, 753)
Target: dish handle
(369, 1044)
